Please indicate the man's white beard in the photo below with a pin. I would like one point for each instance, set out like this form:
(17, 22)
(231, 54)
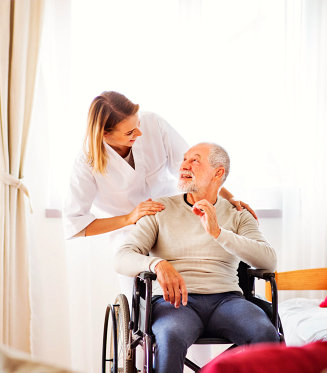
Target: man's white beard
(187, 186)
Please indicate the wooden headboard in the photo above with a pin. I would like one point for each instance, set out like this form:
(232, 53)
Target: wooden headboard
(302, 279)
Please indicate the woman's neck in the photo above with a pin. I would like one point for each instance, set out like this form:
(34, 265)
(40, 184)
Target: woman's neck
(121, 150)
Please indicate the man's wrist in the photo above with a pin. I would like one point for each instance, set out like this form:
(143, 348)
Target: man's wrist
(154, 263)
(156, 267)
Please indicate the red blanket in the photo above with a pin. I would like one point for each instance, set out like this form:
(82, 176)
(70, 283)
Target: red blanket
(272, 358)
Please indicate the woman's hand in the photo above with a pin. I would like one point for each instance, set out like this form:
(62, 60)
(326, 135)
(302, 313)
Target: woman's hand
(240, 205)
(147, 207)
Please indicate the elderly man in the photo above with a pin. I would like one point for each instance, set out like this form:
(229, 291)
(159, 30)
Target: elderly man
(195, 245)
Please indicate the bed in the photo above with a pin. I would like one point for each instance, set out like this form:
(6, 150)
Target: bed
(303, 319)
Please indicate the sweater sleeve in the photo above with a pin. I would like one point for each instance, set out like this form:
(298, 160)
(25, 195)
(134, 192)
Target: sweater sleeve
(248, 244)
(132, 257)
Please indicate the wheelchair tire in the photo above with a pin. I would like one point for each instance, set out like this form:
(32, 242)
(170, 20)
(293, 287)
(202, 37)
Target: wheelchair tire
(109, 341)
(115, 357)
(126, 364)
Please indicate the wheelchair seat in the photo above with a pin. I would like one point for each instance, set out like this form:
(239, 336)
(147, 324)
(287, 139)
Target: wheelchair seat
(125, 329)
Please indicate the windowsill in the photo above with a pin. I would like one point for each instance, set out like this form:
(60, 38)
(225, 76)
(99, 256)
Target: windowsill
(269, 213)
(261, 213)
(53, 213)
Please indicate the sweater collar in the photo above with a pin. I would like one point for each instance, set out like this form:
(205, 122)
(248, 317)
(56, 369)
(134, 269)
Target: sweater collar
(188, 203)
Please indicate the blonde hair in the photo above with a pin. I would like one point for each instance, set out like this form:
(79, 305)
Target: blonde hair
(106, 111)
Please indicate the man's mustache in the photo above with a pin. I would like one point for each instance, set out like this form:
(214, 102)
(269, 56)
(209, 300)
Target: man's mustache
(186, 173)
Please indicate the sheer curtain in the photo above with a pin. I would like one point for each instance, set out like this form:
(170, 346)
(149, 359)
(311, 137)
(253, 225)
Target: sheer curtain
(304, 137)
(50, 332)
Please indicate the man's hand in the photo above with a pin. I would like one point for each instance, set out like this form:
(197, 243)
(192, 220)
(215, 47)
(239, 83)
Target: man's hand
(172, 283)
(207, 213)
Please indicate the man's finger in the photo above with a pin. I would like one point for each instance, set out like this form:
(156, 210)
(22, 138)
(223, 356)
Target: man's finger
(165, 294)
(197, 211)
(177, 298)
(171, 294)
(177, 292)
(204, 208)
(184, 294)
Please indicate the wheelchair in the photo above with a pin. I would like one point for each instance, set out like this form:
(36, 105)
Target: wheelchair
(125, 330)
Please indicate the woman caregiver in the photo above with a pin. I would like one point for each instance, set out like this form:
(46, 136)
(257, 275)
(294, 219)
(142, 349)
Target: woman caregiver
(128, 160)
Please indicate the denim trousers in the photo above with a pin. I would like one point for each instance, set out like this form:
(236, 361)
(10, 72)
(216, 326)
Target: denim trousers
(226, 315)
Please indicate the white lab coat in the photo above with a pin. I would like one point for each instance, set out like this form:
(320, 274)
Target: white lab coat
(158, 154)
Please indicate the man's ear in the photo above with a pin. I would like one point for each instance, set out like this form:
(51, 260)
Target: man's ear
(220, 171)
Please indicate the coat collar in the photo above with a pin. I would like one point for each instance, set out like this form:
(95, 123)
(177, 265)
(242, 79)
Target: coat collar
(115, 160)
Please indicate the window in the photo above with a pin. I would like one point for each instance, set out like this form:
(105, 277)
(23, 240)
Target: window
(213, 69)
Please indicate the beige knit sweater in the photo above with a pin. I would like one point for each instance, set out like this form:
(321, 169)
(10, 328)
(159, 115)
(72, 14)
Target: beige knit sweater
(207, 265)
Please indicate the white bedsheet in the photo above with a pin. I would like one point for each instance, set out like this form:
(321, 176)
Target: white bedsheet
(303, 321)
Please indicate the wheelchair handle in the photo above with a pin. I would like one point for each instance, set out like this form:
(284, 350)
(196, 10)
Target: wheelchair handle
(144, 275)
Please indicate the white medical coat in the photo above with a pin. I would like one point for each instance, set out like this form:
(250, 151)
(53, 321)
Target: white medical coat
(158, 154)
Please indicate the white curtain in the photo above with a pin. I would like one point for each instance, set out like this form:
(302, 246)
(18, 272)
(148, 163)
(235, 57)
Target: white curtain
(20, 34)
(50, 329)
(304, 138)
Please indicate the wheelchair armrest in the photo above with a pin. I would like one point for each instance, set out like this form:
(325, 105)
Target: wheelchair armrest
(261, 273)
(142, 296)
(147, 274)
(268, 276)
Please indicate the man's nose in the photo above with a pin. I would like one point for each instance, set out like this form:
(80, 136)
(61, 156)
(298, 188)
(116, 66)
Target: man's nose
(185, 165)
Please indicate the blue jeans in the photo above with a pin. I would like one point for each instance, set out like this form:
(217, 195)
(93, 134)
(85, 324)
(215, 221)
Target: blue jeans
(227, 315)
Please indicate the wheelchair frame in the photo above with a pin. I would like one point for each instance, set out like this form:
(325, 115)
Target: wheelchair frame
(122, 333)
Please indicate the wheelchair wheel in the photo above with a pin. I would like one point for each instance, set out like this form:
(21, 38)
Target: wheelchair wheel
(115, 355)
(125, 356)
(109, 341)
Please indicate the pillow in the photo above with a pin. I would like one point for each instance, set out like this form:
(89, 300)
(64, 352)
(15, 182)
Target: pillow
(272, 358)
(323, 303)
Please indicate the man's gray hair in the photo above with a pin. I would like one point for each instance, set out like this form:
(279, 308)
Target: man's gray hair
(218, 157)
